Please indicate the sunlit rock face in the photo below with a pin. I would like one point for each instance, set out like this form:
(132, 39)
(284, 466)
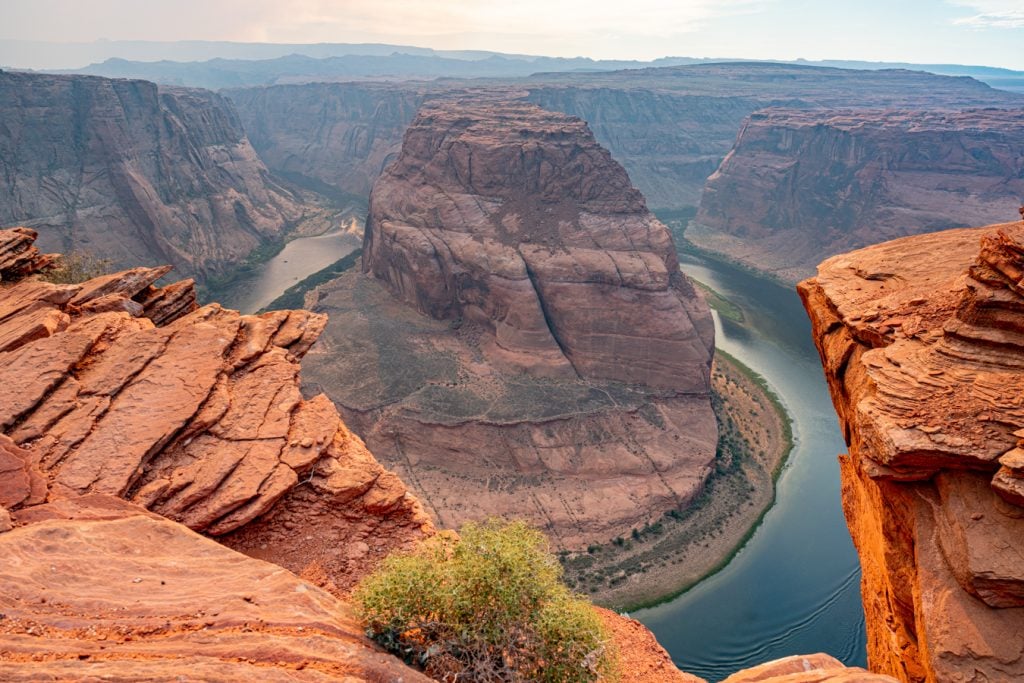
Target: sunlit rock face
(921, 339)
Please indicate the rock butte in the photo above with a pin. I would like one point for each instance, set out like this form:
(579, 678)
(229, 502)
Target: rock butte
(799, 186)
(922, 339)
(135, 173)
(96, 585)
(559, 364)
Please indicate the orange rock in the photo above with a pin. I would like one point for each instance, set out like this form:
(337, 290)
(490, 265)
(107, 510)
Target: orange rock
(932, 412)
(98, 588)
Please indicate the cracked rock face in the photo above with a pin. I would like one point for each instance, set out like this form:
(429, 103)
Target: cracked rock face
(922, 340)
(522, 342)
(115, 386)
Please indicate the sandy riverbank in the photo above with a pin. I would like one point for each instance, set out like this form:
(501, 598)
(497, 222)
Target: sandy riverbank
(668, 556)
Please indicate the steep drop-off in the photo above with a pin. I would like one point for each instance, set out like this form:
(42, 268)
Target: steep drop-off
(331, 137)
(135, 174)
(802, 185)
(527, 344)
(921, 340)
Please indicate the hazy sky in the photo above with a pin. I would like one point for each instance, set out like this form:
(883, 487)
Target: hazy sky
(957, 31)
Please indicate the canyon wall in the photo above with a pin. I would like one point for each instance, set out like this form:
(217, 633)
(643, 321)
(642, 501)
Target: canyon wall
(670, 127)
(921, 341)
(523, 341)
(135, 173)
(802, 185)
(335, 138)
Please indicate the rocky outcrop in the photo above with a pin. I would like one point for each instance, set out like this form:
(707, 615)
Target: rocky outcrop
(921, 342)
(118, 387)
(133, 173)
(802, 185)
(515, 218)
(528, 345)
(96, 588)
(335, 138)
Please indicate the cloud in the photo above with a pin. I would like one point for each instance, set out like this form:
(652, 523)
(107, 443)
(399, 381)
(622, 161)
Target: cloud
(992, 13)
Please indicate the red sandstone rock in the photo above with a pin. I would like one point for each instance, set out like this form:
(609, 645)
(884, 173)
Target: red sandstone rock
(921, 339)
(504, 214)
(561, 370)
(199, 418)
(817, 668)
(102, 589)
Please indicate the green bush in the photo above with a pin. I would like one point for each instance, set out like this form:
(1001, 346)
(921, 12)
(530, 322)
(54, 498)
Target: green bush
(487, 607)
(78, 266)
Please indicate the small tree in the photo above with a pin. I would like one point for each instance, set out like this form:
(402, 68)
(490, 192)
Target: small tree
(78, 266)
(487, 607)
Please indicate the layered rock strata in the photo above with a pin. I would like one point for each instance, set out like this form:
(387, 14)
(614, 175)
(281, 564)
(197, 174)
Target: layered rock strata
(921, 340)
(95, 588)
(135, 173)
(527, 344)
(799, 186)
(118, 387)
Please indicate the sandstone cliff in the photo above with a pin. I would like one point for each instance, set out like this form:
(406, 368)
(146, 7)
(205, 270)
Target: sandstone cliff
(799, 186)
(331, 137)
(528, 345)
(921, 343)
(134, 173)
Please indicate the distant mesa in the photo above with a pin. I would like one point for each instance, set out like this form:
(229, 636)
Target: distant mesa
(799, 186)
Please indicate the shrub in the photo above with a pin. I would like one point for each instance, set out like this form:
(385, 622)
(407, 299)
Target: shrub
(487, 607)
(77, 266)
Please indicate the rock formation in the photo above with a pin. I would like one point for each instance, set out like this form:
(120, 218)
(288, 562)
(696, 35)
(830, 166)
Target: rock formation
(802, 185)
(95, 588)
(133, 173)
(561, 369)
(115, 386)
(122, 396)
(921, 339)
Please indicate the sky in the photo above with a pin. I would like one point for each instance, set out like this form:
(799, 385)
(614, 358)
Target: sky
(989, 32)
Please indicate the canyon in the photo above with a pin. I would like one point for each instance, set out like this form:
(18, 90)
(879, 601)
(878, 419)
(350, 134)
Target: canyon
(799, 186)
(522, 340)
(211, 436)
(920, 339)
(136, 173)
(670, 127)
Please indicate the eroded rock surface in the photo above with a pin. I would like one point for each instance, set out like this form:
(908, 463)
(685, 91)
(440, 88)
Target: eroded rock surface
(799, 186)
(96, 588)
(921, 339)
(528, 345)
(135, 173)
(198, 418)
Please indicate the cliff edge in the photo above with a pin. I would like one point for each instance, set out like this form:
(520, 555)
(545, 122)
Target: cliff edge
(922, 340)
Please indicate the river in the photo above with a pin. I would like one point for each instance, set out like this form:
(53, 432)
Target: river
(300, 257)
(795, 586)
